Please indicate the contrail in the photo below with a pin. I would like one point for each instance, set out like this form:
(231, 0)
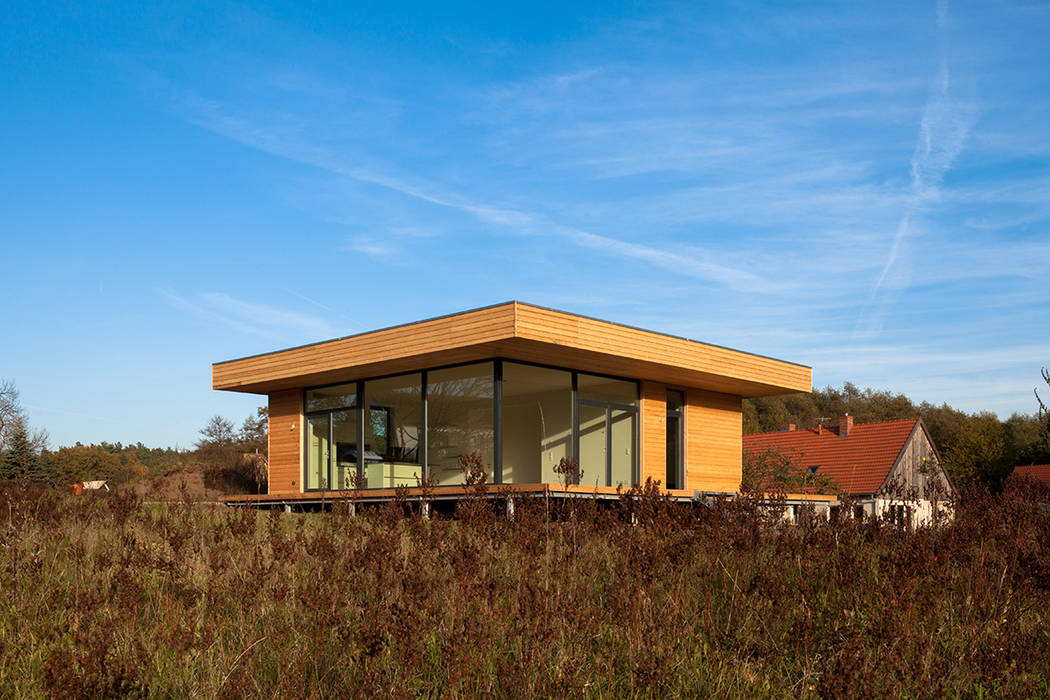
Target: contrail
(943, 129)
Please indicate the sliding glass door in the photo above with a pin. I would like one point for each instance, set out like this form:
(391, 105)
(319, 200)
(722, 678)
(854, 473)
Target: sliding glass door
(607, 436)
(331, 449)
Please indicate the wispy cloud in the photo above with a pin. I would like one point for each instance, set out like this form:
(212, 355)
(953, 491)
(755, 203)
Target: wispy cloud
(673, 262)
(793, 204)
(370, 246)
(283, 139)
(946, 121)
(286, 136)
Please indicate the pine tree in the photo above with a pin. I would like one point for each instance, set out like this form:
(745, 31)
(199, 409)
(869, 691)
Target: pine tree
(18, 461)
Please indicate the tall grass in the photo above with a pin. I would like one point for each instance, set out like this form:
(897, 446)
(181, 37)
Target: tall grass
(106, 596)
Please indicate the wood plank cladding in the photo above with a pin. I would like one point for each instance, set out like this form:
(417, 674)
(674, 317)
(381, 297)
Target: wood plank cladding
(519, 332)
(713, 441)
(312, 364)
(699, 363)
(653, 413)
(285, 442)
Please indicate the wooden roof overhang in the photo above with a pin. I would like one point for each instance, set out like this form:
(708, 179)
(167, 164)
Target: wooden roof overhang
(516, 331)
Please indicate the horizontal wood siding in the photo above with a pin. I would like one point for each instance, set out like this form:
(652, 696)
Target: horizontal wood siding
(713, 441)
(654, 432)
(443, 334)
(286, 451)
(572, 331)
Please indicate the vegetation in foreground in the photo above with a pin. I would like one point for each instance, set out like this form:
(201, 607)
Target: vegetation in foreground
(106, 596)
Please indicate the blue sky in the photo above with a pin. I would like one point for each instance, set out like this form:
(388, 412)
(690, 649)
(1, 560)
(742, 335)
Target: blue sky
(860, 187)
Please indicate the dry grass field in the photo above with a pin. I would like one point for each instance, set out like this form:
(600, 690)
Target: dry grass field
(106, 596)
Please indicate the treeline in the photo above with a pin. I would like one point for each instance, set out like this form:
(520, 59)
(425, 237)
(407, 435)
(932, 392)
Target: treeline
(112, 462)
(231, 458)
(975, 448)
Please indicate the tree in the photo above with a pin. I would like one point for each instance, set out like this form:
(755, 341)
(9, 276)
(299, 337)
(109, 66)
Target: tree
(91, 462)
(977, 452)
(10, 410)
(252, 435)
(18, 460)
(1025, 441)
(1043, 414)
(217, 432)
(771, 472)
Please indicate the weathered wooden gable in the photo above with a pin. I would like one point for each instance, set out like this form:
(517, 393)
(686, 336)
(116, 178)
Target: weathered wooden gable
(918, 473)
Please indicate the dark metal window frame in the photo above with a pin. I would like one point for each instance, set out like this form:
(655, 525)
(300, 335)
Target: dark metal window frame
(678, 413)
(497, 418)
(609, 408)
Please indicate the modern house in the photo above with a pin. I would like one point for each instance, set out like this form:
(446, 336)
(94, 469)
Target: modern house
(890, 469)
(519, 385)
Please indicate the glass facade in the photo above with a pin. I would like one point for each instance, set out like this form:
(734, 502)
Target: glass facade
(344, 446)
(607, 389)
(608, 420)
(593, 445)
(675, 476)
(607, 445)
(521, 419)
(460, 408)
(537, 422)
(393, 429)
(317, 442)
(341, 396)
(621, 447)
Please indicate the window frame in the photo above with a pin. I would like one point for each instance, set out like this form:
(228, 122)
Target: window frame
(497, 415)
(679, 413)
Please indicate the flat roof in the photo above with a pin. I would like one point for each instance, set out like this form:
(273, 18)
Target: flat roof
(516, 331)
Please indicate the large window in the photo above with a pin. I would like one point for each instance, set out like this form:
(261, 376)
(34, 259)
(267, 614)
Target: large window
(520, 419)
(340, 396)
(607, 411)
(331, 449)
(318, 438)
(460, 402)
(344, 449)
(393, 430)
(607, 389)
(537, 422)
(607, 440)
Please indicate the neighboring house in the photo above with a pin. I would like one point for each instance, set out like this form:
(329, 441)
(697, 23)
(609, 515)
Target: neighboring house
(890, 469)
(519, 385)
(77, 489)
(1039, 472)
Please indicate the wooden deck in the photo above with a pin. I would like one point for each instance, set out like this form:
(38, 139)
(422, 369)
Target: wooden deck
(439, 493)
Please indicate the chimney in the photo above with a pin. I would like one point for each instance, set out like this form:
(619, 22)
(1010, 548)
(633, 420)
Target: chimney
(845, 425)
(788, 428)
(820, 428)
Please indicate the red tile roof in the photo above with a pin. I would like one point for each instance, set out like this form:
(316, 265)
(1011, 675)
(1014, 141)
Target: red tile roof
(1039, 472)
(859, 461)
